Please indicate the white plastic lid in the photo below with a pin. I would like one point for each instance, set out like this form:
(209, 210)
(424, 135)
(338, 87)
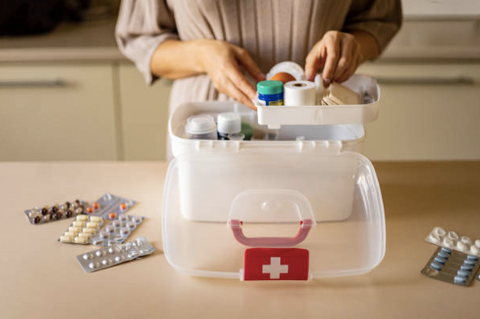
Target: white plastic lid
(229, 123)
(288, 67)
(200, 124)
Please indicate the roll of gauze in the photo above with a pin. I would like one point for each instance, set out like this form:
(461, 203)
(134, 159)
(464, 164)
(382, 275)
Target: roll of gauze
(299, 93)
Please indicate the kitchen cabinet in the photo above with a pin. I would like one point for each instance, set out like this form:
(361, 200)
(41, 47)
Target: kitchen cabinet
(57, 112)
(144, 115)
(427, 112)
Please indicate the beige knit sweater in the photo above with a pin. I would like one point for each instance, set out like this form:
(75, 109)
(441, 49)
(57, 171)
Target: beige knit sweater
(271, 30)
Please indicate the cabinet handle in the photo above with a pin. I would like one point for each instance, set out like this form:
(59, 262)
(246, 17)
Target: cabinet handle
(460, 80)
(33, 83)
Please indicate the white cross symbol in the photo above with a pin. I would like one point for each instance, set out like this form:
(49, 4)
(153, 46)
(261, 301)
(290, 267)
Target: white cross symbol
(275, 268)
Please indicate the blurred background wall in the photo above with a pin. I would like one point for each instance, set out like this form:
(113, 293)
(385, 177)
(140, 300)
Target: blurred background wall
(69, 94)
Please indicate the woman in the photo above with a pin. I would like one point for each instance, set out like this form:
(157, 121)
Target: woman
(205, 45)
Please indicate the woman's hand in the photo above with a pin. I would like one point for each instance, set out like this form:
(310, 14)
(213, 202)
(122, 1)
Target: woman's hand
(340, 54)
(221, 61)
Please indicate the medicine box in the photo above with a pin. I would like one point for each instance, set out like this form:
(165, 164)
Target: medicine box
(304, 205)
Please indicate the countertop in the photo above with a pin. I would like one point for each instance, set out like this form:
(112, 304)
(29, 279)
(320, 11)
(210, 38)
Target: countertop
(40, 277)
(422, 37)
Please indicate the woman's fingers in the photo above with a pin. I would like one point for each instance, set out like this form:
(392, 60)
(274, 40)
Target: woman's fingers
(332, 45)
(338, 53)
(314, 61)
(228, 86)
(239, 80)
(350, 70)
(247, 62)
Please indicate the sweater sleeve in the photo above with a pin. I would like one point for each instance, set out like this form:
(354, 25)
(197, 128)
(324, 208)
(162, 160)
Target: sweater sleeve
(380, 18)
(141, 27)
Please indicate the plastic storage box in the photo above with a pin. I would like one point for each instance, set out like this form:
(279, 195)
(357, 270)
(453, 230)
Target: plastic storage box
(306, 205)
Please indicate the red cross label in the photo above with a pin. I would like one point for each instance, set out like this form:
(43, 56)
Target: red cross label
(276, 264)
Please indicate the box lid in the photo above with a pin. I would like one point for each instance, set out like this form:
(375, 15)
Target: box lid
(219, 206)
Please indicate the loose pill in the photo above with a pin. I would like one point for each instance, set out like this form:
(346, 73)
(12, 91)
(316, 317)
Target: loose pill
(82, 218)
(66, 239)
(96, 219)
(123, 206)
(80, 240)
(112, 215)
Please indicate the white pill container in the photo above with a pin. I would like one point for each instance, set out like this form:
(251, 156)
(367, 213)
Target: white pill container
(310, 188)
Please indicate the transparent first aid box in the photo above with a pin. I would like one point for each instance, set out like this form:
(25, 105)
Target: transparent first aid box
(308, 188)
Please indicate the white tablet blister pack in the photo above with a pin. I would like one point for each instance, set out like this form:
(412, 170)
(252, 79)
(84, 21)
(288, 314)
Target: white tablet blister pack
(82, 230)
(117, 231)
(110, 206)
(451, 240)
(42, 215)
(114, 255)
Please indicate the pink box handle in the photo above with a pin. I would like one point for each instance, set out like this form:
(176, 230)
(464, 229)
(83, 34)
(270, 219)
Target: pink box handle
(236, 225)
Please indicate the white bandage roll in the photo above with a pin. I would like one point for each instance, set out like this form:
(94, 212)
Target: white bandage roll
(298, 93)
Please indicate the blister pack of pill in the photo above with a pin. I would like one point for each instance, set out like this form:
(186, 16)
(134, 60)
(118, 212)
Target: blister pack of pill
(114, 255)
(42, 215)
(118, 230)
(451, 240)
(82, 230)
(110, 206)
(451, 266)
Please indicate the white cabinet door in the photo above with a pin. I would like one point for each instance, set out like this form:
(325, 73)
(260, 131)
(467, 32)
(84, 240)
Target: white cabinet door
(56, 112)
(144, 115)
(427, 112)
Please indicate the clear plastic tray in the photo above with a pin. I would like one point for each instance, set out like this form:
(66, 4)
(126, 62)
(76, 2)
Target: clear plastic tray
(276, 116)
